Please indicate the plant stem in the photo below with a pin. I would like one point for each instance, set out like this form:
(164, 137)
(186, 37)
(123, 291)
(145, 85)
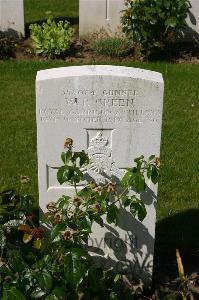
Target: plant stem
(75, 186)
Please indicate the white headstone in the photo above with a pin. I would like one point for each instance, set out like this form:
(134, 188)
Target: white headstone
(12, 17)
(95, 15)
(115, 114)
(192, 32)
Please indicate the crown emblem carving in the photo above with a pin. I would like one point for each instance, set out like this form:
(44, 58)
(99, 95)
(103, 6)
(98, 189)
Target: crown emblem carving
(102, 166)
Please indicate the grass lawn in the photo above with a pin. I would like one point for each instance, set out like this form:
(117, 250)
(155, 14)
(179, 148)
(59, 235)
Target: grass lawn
(178, 205)
(35, 10)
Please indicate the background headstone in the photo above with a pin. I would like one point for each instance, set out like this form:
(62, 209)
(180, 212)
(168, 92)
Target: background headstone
(12, 17)
(192, 31)
(95, 15)
(115, 114)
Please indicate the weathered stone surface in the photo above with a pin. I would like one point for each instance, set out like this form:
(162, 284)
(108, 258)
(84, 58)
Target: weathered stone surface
(12, 17)
(95, 15)
(115, 114)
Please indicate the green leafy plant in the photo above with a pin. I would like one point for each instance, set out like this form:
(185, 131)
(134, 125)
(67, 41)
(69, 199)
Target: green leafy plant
(154, 23)
(114, 47)
(51, 38)
(54, 263)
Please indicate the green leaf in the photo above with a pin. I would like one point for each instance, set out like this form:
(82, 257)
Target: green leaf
(27, 237)
(63, 202)
(151, 157)
(2, 241)
(137, 208)
(82, 156)
(59, 291)
(13, 294)
(112, 214)
(154, 174)
(171, 22)
(78, 175)
(84, 159)
(126, 201)
(139, 183)
(65, 173)
(37, 293)
(45, 280)
(37, 244)
(16, 261)
(6, 270)
(98, 219)
(27, 203)
(66, 156)
(75, 266)
(138, 158)
(85, 192)
(127, 179)
(56, 230)
(149, 171)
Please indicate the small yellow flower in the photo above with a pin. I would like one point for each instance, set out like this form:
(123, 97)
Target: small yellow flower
(97, 207)
(157, 162)
(51, 206)
(93, 185)
(68, 143)
(24, 179)
(111, 187)
(67, 234)
(77, 201)
(58, 217)
(98, 189)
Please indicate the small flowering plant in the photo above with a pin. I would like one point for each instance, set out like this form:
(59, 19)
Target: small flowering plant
(71, 218)
(36, 263)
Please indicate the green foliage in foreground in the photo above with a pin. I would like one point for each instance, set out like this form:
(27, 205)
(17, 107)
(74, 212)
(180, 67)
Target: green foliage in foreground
(51, 38)
(35, 264)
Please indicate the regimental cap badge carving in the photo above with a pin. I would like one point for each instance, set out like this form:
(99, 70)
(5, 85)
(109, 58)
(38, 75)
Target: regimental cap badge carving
(99, 140)
(102, 166)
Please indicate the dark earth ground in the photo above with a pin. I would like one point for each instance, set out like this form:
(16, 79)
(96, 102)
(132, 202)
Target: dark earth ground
(80, 52)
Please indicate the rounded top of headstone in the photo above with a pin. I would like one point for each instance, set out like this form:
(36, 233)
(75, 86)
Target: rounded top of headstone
(99, 70)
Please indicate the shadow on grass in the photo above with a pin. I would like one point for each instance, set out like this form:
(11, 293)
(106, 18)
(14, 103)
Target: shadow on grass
(180, 231)
(72, 20)
(185, 43)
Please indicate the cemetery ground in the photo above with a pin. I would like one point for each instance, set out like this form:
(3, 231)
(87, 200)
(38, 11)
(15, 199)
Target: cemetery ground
(84, 50)
(178, 207)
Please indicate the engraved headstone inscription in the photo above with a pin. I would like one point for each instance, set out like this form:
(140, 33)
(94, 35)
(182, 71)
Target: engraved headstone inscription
(96, 15)
(115, 114)
(12, 17)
